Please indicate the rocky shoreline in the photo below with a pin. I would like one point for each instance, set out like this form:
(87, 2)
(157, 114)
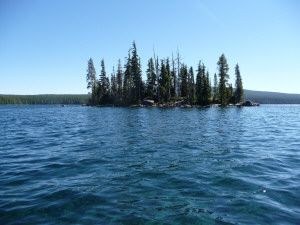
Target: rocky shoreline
(181, 104)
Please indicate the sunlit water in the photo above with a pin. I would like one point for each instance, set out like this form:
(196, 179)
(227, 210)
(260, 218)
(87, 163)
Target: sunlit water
(84, 165)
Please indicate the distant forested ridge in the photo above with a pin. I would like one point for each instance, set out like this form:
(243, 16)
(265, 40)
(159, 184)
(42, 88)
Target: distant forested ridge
(262, 97)
(168, 80)
(43, 99)
(265, 97)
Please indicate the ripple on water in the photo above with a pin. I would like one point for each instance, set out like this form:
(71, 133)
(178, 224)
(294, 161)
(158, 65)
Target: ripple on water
(83, 165)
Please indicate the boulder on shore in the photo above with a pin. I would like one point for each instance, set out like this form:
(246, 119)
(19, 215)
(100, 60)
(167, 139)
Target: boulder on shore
(249, 103)
(148, 102)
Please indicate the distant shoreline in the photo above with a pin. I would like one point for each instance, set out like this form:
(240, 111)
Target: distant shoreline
(261, 97)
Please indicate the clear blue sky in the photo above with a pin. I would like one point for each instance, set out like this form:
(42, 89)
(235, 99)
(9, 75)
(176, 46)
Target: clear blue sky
(45, 45)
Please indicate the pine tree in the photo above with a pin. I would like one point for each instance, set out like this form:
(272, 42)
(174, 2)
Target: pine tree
(91, 74)
(103, 73)
(199, 83)
(157, 78)
(230, 94)
(169, 80)
(216, 88)
(191, 85)
(104, 86)
(178, 74)
(163, 79)
(151, 79)
(127, 81)
(239, 91)
(223, 79)
(119, 82)
(174, 79)
(206, 92)
(114, 86)
(136, 74)
(184, 81)
(91, 80)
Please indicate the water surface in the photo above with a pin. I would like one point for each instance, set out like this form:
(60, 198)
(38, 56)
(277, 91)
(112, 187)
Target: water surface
(83, 165)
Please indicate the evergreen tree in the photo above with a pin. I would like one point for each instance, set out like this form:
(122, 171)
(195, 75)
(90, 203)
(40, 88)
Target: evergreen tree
(174, 79)
(163, 81)
(199, 83)
(223, 79)
(239, 91)
(230, 94)
(216, 88)
(103, 73)
(114, 86)
(191, 85)
(151, 79)
(184, 81)
(91, 79)
(206, 91)
(157, 78)
(178, 74)
(169, 80)
(127, 87)
(136, 74)
(203, 89)
(104, 86)
(119, 82)
(91, 74)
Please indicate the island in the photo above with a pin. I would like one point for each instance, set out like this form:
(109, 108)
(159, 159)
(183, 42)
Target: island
(169, 83)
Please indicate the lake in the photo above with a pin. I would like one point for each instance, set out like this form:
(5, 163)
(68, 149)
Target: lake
(88, 165)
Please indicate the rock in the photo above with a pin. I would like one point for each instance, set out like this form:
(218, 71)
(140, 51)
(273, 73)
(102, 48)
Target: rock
(215, 105)
(249, 103)
(148, 102)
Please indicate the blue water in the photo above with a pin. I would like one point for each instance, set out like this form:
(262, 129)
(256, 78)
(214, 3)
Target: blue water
(86, 165)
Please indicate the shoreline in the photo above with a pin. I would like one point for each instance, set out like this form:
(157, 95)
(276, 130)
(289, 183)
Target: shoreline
(180, 104)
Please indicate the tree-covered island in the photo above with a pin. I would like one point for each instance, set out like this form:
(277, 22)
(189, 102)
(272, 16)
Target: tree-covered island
(169, 82)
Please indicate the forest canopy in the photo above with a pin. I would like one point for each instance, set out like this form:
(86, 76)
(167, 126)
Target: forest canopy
(43, 99)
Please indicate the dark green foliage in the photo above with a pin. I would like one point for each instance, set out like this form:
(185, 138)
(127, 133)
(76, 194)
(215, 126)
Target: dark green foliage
(165, 82)
(223, 79)
(128, 81)
(119, 82)
(157, 78)
(173, 79)
(114, 87)
(169, 80)
(136, 74)
(151, 79)
(184, 81)
(91, 79)
(203, 86)
(103, 93)
(43, 99)
(91, 74)
(191, 84)
(206, 92)
(230, 94)
(215, 89)
(264, 97)
(239, 91)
